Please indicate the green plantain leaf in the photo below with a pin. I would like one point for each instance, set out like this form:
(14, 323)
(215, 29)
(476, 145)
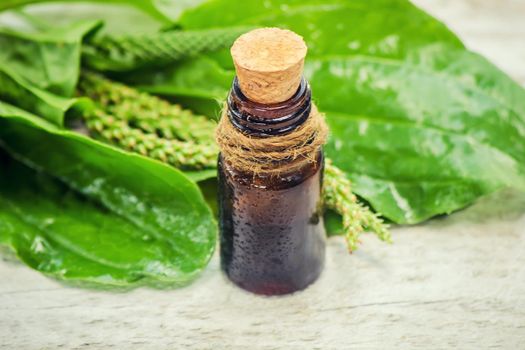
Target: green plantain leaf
(38, 69)
(383, 28)
(108, 217)
(16, 90)
(49, 59)
(147, 6)
(200, 84)
(118, 18)
(421, 125)
(432, 145)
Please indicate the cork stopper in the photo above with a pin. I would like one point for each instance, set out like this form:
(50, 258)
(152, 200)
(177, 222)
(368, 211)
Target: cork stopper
(269, 64)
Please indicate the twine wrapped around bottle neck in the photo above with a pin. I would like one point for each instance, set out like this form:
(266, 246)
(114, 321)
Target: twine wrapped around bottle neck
(271, 155)
(269, 64)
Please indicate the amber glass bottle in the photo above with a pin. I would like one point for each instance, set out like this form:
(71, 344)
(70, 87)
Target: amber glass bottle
(272, 233)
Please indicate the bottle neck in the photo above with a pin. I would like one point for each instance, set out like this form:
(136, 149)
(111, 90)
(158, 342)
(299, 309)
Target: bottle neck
(266, 120)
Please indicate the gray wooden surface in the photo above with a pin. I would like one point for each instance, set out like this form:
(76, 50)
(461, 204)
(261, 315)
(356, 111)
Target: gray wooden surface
(455, 282)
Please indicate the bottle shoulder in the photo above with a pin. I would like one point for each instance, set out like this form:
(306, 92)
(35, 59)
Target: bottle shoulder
(287, 179)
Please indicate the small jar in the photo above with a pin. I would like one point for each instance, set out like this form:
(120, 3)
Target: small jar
(272, 237)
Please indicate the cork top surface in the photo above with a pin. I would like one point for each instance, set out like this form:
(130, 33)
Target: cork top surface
(269, 64)
(268, 50)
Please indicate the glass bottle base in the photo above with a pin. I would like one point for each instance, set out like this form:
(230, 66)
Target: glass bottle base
(270, 288)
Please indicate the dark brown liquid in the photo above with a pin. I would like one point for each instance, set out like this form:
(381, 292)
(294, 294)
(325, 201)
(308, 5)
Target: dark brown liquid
(272, 232)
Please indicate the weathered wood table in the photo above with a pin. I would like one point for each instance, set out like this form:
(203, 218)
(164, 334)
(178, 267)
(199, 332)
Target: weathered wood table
(453, 282)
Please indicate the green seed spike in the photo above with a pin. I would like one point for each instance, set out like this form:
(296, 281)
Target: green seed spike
(119, 54)
(146, 112)
(357, 218)
(185, 155)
